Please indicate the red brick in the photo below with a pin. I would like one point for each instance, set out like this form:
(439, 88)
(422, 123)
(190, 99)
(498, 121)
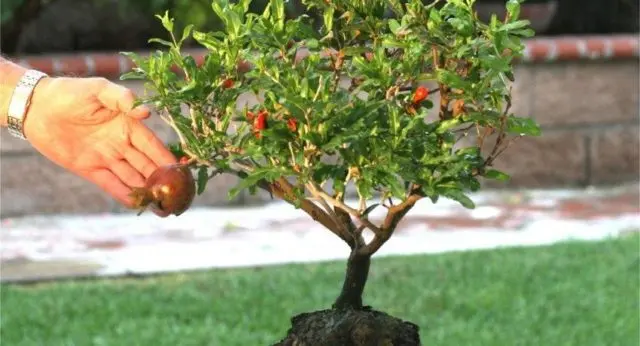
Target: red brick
(44, 64)
(107, 65)
(73, 66)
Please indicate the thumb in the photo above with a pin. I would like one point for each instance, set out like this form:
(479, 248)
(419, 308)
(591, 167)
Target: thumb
(119, 98)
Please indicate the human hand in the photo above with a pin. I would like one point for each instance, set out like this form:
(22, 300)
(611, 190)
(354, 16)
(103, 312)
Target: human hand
(88, 126)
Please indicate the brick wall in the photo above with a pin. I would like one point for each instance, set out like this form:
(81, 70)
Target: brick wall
(584, 92)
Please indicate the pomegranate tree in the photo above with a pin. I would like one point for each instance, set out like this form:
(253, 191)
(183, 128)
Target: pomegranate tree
(389, 102)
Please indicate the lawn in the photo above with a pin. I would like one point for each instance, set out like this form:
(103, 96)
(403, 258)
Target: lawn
(567, 294)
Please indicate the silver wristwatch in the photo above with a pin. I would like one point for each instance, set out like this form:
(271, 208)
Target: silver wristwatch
(20, 101)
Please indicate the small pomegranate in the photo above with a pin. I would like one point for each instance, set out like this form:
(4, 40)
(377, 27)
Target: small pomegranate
(169, 190)
(420, 94)
(243, 67)
(228, 83)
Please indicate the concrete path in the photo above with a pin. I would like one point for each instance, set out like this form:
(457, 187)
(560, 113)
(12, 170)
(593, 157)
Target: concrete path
(53, 247)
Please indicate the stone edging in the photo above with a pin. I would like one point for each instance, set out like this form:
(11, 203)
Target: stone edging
(538, 50)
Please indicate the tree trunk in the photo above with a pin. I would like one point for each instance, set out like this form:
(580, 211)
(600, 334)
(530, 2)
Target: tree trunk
(349, 323)
(354, 281)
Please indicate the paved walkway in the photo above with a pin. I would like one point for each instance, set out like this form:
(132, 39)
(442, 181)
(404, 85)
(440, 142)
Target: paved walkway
(50, 247)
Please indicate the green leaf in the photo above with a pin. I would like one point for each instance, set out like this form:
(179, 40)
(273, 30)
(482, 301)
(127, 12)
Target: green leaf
(451, 79)
(509, 74)
(393, 43)
(369, 209)
(186, 32)
(364, 188)
(338, 186)
(133, 75)
(278, 14)
(311, 43)
(176, 149)
(446, 125)
(394, 26)
(208, 40)
(323, 171)
(523, 126)
(189, 86)
(519, 24)
(203, 178)
(472, 184)
(265, 173)
(496, 175)
(167, 22)
(460, 197)
(496, 63)
(528, 32)
(328, 18)
(161, 41)
(137, 60)
(434, 19)
(513, 9)
(395, 185)
(463, 27)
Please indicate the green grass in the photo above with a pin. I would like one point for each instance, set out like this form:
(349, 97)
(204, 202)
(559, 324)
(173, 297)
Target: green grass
(568, 294)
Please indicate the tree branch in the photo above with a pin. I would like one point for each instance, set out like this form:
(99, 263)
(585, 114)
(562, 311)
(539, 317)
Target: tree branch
(348, 209)
(501, 135)
(355, 232)
(282, 189)
(342, 226)
(395, 213)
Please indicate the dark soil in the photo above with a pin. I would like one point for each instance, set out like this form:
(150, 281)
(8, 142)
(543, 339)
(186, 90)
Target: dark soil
(350, 328)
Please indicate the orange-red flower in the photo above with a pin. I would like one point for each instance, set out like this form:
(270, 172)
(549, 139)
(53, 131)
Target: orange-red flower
(260, 123)
(292, 124)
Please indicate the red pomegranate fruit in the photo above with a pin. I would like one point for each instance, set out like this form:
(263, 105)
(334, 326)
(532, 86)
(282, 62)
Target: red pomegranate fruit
(169, 190)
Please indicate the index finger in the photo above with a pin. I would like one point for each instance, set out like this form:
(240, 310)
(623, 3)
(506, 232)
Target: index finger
(120, 98)
(143, 139)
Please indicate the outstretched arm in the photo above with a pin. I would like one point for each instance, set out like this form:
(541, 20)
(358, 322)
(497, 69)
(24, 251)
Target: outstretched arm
(87, 126)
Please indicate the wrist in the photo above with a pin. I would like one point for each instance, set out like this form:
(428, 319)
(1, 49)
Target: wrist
(39, 105)
(20, 102)
(10, 75)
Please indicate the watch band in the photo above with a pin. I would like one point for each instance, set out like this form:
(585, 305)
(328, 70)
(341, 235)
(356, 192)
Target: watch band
(20, 100)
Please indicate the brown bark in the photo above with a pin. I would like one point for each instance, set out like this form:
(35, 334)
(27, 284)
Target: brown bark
(394, 215)
(354, 281)
(282, 189)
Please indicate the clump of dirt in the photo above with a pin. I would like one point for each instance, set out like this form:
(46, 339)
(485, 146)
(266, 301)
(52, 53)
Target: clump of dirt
(365, 327)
